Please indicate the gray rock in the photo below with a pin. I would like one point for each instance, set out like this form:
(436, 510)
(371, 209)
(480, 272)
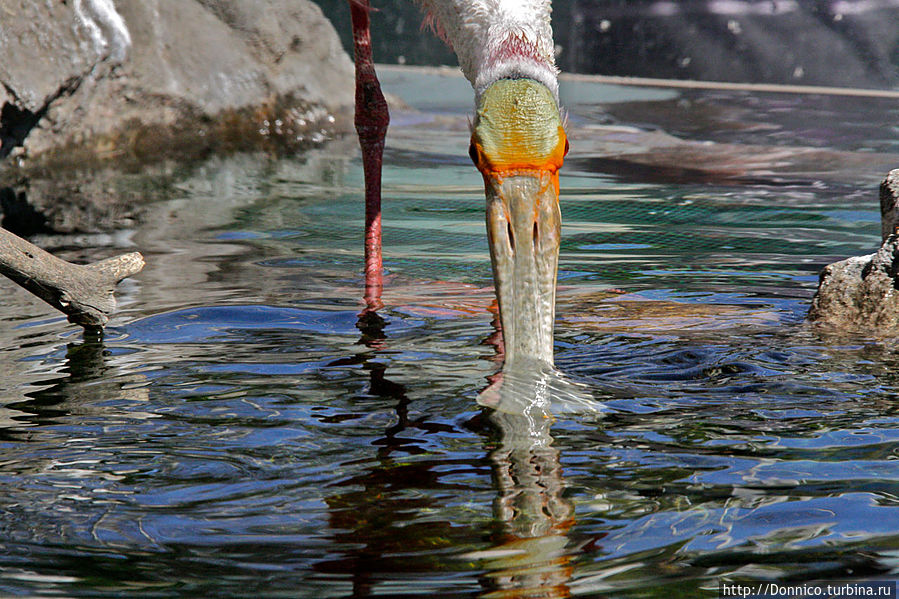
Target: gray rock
(47, 46)
(861, 294)
(85, 75)
(889, 204)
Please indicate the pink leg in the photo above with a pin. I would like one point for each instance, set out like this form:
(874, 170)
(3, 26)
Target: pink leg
(372, 119)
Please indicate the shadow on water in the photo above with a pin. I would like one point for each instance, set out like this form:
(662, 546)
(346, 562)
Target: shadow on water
(367, 508)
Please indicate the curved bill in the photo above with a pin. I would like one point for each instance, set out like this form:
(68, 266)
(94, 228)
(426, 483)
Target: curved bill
(518, 144)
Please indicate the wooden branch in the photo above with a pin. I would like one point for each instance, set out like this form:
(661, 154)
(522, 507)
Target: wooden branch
(84, 293)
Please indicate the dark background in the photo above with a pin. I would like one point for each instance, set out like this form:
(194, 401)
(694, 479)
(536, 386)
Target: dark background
(852, 43)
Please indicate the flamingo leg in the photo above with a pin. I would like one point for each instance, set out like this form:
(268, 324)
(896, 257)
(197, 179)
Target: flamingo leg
(371, 121)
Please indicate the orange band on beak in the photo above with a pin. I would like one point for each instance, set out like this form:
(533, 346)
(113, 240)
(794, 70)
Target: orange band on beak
(515, 155)
(515, 158)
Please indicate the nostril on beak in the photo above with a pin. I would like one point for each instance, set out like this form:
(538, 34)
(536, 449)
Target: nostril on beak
(536, 237)
(511, 236)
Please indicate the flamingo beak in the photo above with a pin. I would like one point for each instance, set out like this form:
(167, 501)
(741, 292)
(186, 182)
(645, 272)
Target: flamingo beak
(518, 144)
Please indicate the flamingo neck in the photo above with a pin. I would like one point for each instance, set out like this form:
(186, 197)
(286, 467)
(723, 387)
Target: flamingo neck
(498, 39)
(516, 57)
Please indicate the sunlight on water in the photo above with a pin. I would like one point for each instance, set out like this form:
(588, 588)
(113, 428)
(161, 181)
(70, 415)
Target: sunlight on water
(242, 432)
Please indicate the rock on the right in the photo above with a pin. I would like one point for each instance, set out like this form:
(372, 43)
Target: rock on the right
(861, 294)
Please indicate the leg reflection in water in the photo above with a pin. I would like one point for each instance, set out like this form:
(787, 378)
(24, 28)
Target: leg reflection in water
(374, 513)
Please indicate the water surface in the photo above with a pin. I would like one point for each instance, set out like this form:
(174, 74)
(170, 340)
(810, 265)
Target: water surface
(240, 433)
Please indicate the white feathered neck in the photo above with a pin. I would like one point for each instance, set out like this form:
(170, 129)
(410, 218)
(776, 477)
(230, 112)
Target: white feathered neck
(496, 39)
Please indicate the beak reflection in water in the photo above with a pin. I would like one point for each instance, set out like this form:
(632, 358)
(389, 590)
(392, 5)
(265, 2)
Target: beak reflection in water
(518, 144)
(532, 553)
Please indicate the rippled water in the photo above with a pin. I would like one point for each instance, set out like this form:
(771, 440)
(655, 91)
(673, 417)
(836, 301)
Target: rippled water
(239, 433)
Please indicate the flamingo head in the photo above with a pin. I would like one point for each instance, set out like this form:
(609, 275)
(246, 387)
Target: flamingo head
(518, 143)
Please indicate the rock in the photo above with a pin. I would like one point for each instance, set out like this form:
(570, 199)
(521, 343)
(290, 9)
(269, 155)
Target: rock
(101, 78)
(47, 46)
(861, 294)
(889, 204)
